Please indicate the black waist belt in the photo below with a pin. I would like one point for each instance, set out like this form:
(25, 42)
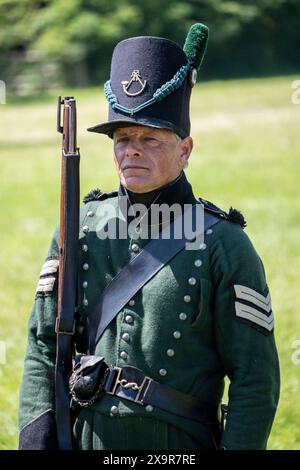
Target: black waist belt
(91, 378)
(132, 384)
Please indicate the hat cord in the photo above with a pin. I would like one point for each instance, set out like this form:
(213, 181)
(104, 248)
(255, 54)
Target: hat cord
(161, 93)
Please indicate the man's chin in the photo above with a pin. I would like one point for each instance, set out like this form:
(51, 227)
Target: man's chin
(136, 184)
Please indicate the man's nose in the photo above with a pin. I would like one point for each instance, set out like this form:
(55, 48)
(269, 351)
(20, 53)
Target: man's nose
(133, 148)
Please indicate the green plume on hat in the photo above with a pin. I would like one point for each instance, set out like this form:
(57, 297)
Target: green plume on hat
(195, 44)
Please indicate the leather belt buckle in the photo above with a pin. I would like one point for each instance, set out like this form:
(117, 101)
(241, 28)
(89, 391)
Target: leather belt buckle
(64, 332)
(117, 384)
(112, 380)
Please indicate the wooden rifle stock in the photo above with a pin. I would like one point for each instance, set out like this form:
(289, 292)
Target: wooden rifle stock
(68, 269)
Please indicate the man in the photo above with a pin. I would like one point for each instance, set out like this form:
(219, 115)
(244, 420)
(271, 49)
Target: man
(204, 314)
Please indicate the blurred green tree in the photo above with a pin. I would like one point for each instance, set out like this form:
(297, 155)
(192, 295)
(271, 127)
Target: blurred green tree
(46, 43)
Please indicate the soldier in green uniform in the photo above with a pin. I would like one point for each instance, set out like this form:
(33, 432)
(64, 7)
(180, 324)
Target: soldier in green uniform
(205, 314)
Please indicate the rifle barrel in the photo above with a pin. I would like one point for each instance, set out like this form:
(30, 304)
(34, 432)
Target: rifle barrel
(68, 266)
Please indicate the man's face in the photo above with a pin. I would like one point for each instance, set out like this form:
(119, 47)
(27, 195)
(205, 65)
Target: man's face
(147, 158)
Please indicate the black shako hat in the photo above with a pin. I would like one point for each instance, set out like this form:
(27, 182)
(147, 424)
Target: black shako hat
(151, 81)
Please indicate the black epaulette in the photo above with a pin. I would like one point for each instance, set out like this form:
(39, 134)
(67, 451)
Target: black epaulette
(232, 215)
(98, 195)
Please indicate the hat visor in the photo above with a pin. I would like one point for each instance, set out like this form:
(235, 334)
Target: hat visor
(108, 128)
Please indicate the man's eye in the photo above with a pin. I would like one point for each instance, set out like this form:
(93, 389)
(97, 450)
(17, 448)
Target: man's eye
(120, 140)
(151, 139)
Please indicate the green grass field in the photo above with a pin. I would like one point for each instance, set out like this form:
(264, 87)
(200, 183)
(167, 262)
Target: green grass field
(246, 155)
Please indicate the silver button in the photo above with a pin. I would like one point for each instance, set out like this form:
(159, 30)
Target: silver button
(84, 284)
(131, 302)
(182, 316)
(162, 372)
(135, 247)
(129, 319)
(198, 263)
(90, 214)
(114, 410)
(85, 248)
(192, 281)
(85, 302)
(209, 231)
(149, 408)
(177, 334)
(187, 298)
(124, 355)
(202, 246)
(85, 266)
(125, 336)
(85, 229)
(170, 352)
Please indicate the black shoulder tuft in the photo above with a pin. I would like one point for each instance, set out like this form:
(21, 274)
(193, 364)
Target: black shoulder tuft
(93, 195)
(236, 216)
(98, 195)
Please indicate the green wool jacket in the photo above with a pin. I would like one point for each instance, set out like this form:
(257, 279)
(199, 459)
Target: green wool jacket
(205, 315)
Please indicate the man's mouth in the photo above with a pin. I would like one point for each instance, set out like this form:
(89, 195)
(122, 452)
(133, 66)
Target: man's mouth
(134, 167)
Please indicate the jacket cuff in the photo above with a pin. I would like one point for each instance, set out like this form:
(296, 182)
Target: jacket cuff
(40, 433)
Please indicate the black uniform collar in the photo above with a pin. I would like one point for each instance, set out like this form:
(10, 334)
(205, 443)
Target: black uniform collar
(177, 191)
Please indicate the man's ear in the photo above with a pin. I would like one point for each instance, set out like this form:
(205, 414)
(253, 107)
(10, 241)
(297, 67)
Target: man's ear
(186, 150)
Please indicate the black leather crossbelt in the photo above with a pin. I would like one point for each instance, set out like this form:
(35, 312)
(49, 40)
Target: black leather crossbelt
(151, 259)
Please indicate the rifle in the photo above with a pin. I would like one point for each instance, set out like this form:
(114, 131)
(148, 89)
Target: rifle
(68, 269)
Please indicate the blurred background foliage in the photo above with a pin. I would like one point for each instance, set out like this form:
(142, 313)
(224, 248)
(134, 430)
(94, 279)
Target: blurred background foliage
(246, 152)
(50, 43)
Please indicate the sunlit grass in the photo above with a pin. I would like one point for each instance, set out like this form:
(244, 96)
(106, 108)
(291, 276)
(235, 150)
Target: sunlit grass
(246, 155)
